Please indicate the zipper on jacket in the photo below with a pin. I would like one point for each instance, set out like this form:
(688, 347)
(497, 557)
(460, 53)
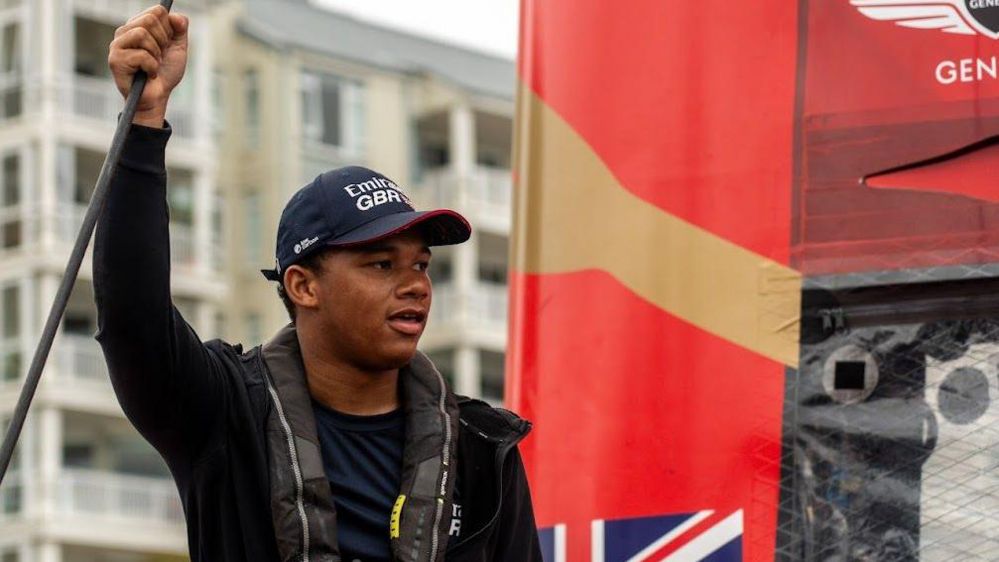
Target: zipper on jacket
(504, 448)
(446, 460)
(293, 453)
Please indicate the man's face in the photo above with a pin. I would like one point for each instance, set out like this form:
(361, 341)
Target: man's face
(374, 300)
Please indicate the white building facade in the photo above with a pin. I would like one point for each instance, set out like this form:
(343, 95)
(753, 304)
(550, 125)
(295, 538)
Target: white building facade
(84, 486)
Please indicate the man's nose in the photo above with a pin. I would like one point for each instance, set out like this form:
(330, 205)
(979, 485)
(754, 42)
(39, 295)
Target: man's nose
(415, 285)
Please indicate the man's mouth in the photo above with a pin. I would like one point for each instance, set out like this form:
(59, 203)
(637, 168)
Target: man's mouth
(408, 321)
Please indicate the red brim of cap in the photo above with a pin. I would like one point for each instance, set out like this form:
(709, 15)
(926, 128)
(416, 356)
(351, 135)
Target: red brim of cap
(441, 227)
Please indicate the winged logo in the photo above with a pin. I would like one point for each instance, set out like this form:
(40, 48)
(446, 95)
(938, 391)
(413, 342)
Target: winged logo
(964, 17)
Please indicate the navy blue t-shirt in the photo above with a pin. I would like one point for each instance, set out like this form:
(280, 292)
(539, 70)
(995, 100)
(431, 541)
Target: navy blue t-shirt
(362, 456)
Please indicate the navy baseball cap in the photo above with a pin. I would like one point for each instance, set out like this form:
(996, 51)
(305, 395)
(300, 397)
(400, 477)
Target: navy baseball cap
(350, 206)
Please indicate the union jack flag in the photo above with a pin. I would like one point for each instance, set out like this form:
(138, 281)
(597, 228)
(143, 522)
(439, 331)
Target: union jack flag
(705, 536)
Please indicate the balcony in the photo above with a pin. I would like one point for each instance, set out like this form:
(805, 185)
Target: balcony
(112, 496)
(113, 8)
(69, 219)
(98, 98)
(104, 509)
(76, 377)
(483, 195)
(483, 307)
(78, 360)
(99, 509)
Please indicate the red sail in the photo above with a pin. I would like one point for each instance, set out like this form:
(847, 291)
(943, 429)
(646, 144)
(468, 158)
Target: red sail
(686, 172)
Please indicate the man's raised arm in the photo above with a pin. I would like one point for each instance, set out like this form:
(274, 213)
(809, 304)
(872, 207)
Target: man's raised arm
(167, 383)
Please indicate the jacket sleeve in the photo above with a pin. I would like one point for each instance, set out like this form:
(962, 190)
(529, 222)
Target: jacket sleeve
(517, 534)
(168, 384)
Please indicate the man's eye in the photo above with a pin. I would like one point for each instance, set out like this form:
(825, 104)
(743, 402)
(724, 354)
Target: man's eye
(423, 266)
(382, 264)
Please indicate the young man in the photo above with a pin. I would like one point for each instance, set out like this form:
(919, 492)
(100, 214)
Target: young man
(336, 440)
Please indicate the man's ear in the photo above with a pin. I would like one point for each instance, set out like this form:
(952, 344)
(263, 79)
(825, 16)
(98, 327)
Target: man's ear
(302, 286)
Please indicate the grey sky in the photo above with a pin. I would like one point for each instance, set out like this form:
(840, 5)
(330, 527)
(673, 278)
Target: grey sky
(486, 25)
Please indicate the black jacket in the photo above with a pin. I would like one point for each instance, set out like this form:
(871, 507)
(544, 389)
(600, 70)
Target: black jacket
(237, 431)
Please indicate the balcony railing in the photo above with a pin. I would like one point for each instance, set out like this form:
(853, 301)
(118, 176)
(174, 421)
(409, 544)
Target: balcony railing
(484, 305)
(118, 8)
(69, 219)
(181, 245)
(98, 98)
(118, 496)
(485, 192)
(79, 359)
(487, 303)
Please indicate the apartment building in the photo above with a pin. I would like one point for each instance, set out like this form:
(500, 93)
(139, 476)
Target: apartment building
(84, 486)
(276, 92)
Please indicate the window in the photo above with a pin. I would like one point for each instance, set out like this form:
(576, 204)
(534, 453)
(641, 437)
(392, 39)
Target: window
(79, 324)
(11, 180)
(333, 111)
(218, 230)
(10, 69)
(10, 48)
(492, 375)
(11, 312)
(10, 333)
(11, 233)
(218, 101)
(434, 155)
(11, 364)
(78, 455)
(253, 237)
(180, 197)
(441, 270)
(10, 498)
(86, 169)
(251, 90)
(91, 42)
(443, 359)
(493, 273)
(10, 490)
(131, 454)
(254, 329)
(220, 328)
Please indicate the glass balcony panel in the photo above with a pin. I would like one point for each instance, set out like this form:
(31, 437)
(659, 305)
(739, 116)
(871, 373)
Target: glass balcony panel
(79, 359)
(98, 98)
(484, 194)
(118, 496)
(69, 220)
(484, 306)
